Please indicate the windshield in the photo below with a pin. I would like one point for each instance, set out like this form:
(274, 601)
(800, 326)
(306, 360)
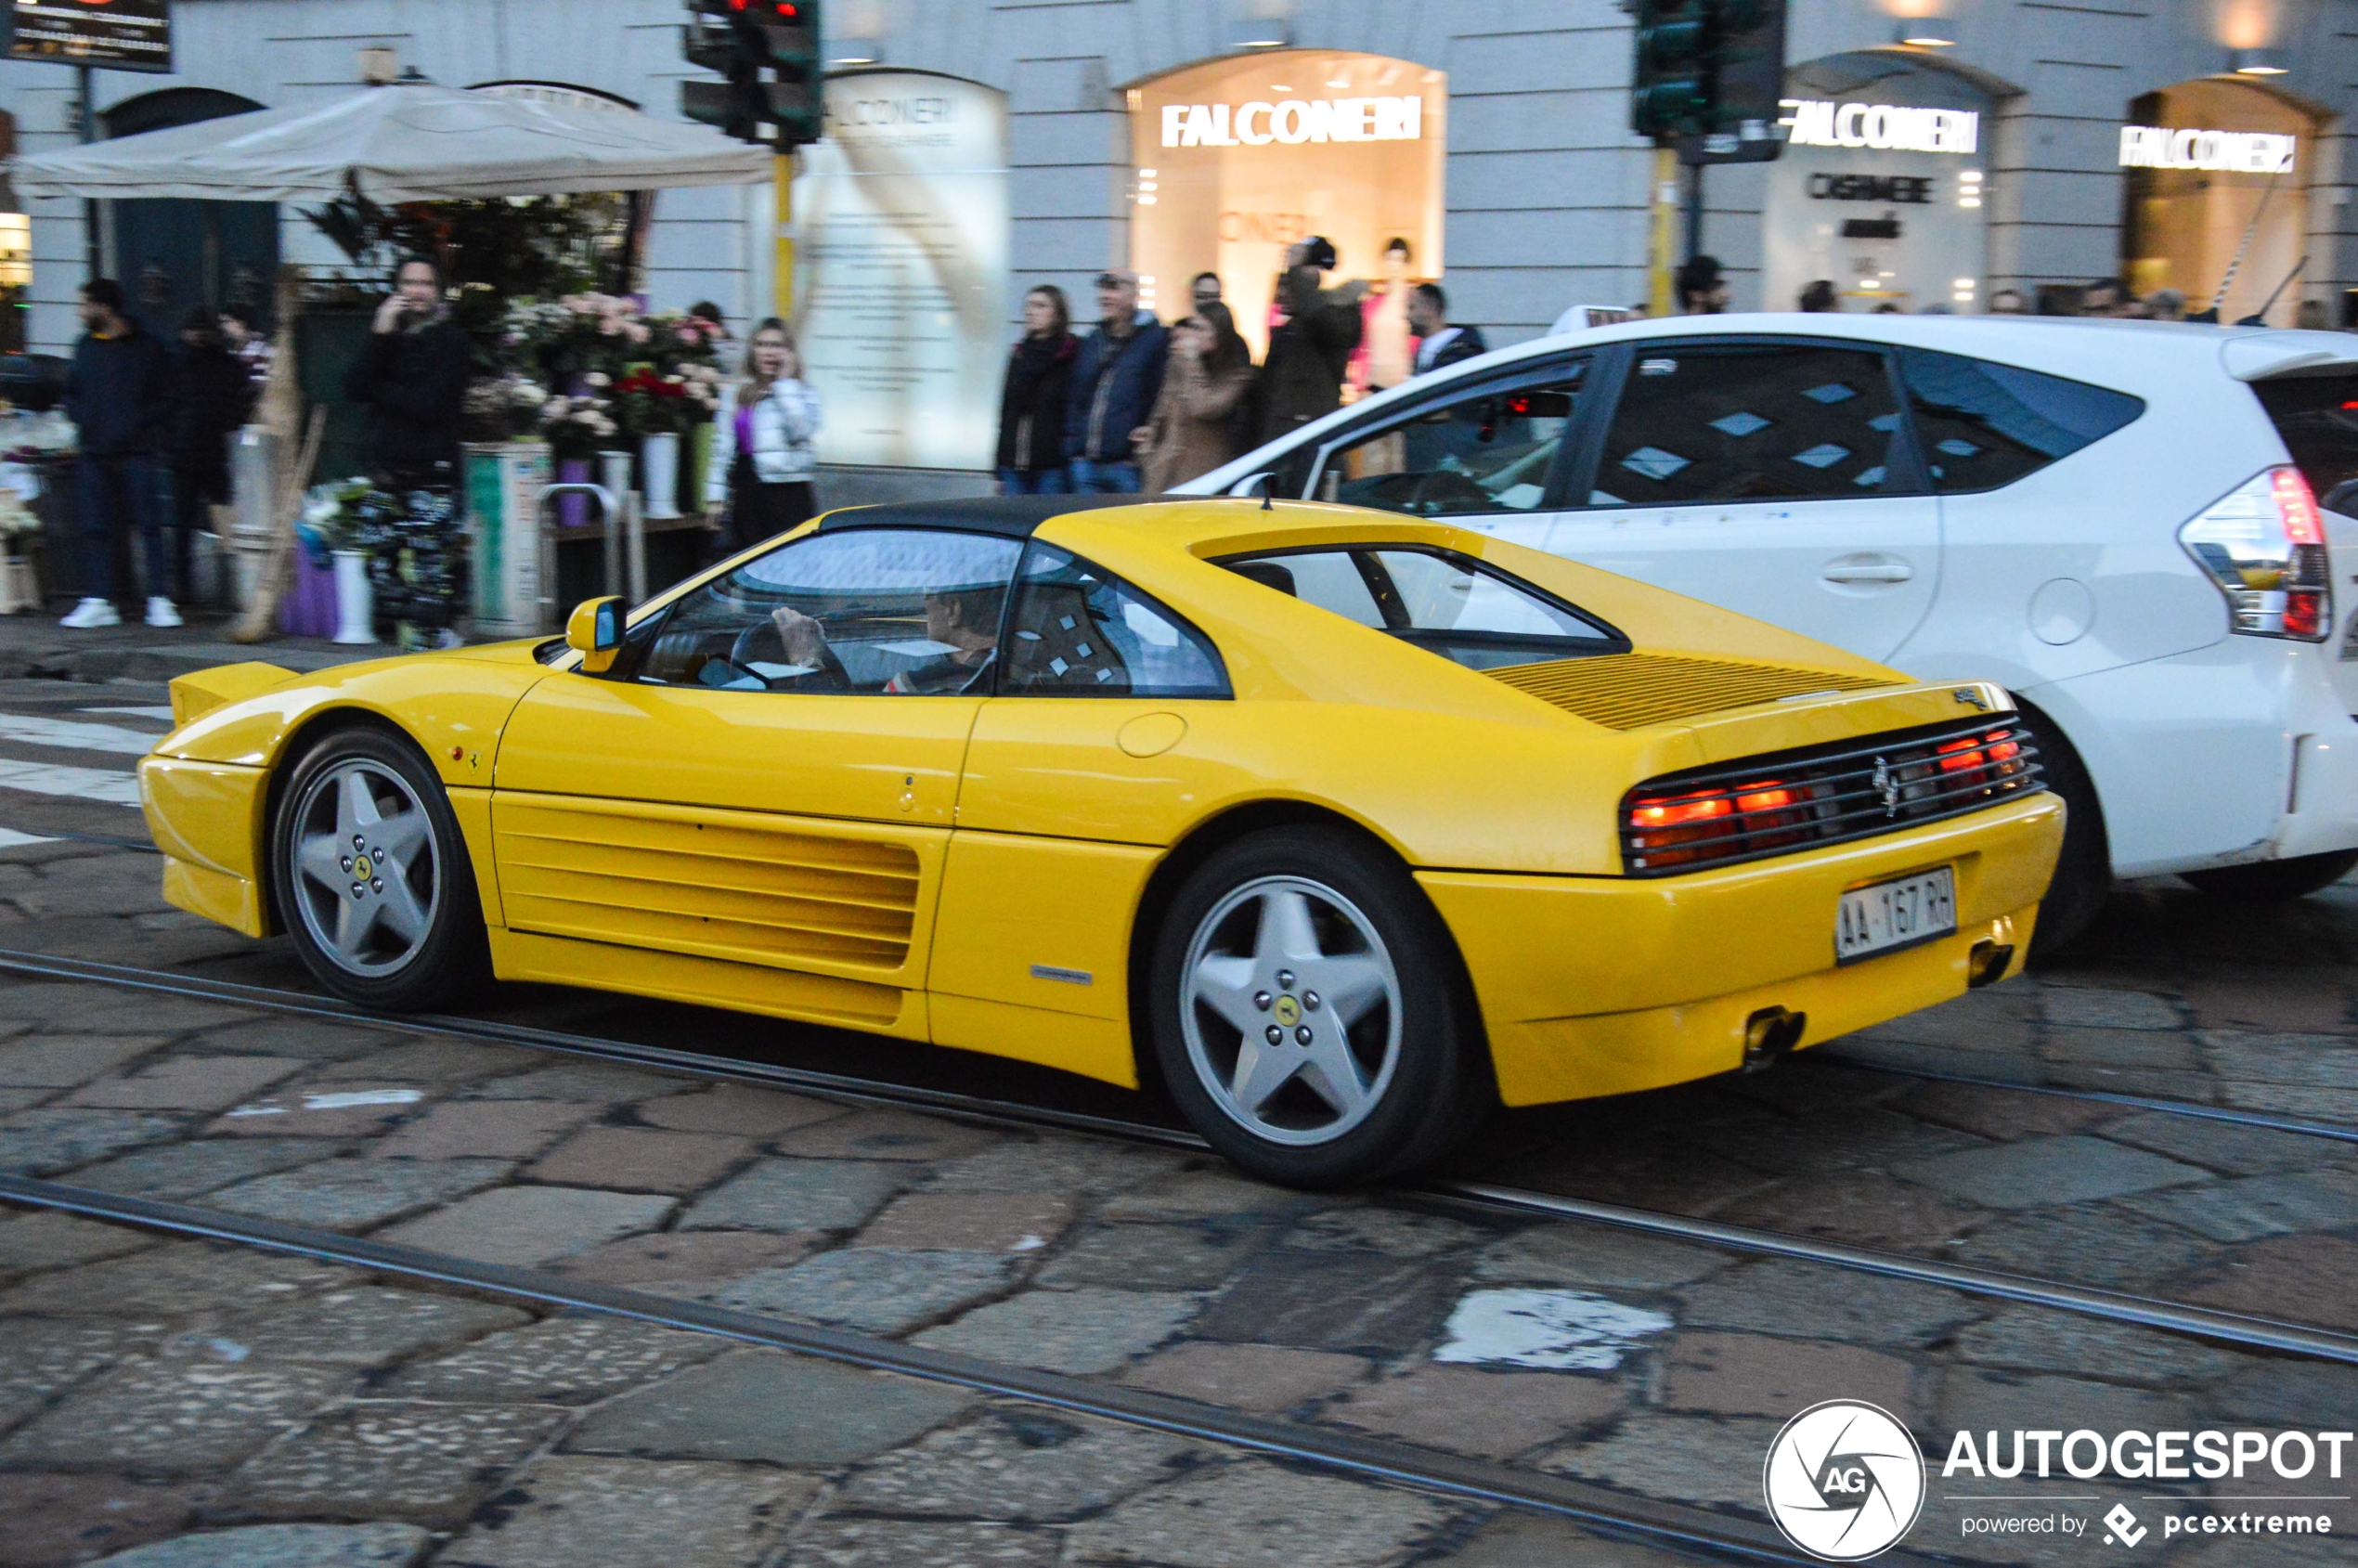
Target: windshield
(1446, 604)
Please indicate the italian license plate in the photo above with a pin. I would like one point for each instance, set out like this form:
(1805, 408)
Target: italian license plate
(1890, 916)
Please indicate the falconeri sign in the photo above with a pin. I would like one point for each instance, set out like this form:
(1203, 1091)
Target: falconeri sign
(1293, 120)
(2240, 152)
(1883, 126)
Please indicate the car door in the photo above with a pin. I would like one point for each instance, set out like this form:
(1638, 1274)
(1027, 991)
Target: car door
(1486, 453)
(1107, 733)
(766, 777)
(1772, 476)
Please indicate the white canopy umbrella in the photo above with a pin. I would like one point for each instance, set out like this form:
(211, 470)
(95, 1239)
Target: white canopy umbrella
(401, 142)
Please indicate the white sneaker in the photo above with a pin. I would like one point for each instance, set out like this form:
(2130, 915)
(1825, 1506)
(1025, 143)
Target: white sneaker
(90, 612)
(161, 613)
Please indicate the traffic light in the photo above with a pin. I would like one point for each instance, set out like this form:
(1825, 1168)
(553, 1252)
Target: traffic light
(769, 52)
(1708, 77)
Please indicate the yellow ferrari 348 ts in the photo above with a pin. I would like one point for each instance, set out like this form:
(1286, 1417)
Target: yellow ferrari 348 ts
(1346, 825)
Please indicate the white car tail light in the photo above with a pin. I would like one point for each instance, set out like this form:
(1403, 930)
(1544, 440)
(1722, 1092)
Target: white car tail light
(2263, 543)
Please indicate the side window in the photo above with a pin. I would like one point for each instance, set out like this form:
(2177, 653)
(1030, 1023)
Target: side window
(1078, 631)
(1486, 453)
(1983, 425)
(890, 611)
(1446, 603)
(1740, 424)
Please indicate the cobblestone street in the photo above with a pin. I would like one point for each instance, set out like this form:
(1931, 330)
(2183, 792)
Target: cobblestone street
(167, 1401)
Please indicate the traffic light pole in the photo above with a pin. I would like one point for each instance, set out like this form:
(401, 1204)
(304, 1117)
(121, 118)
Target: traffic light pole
(1694, 214)
(782, 279)
(1661, 237)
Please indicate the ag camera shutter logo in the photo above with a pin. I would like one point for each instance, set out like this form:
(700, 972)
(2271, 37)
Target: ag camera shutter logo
(1844, 1481)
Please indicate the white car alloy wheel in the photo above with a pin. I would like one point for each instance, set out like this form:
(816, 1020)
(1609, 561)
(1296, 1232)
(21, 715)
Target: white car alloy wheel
(364, 874)
(1292, 1011)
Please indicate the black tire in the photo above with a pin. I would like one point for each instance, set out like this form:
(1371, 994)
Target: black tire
(1417, 1049)
(448, 959)
(2269, 882)
(2083, 870)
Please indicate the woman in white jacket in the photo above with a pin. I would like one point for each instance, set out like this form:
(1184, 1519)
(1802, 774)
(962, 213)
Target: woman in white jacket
(762, 452)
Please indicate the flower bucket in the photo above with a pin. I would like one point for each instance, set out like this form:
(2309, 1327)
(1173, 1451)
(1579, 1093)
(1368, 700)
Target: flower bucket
(356, 603)
(309, 607)
(572, 509)
(659, 471)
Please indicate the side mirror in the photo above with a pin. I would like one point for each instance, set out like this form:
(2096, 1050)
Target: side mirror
(594, 630)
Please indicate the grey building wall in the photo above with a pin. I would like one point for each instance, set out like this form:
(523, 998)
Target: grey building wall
(1547, 190)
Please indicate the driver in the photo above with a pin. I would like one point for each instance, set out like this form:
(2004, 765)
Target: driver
(965, 622)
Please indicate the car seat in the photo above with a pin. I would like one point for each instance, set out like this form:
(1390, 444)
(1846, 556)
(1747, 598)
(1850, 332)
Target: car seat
(1058, 643)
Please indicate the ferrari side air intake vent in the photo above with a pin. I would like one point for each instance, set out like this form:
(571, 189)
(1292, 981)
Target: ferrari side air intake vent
(1790, 801)
(1630, 691)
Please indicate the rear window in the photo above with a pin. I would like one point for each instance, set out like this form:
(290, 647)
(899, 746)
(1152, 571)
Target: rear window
(1983, 425)
(1444, 603)
(2318, 418)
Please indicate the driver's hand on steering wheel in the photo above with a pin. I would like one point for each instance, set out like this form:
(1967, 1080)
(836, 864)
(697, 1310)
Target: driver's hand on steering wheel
(805, 639)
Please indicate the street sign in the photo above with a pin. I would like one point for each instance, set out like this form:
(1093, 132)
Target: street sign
(108, 35)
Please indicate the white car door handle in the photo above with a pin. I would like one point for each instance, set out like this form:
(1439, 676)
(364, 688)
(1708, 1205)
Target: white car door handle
(1868, 572)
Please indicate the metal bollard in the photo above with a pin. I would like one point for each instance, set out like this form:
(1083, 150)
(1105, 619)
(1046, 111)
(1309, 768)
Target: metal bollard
(626, 545)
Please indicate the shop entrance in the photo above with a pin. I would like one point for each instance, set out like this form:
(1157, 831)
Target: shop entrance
(1239, 158)
(1881, 189)
(2217, 175)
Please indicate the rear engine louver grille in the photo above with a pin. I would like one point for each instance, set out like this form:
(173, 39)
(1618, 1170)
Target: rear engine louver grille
(1630, 691)
(762, 895)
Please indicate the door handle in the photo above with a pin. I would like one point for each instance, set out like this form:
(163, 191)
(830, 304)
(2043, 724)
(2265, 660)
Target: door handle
(1867, 572)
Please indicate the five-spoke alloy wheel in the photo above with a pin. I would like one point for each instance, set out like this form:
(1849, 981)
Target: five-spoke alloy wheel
(1306, 1011)
(372, 879)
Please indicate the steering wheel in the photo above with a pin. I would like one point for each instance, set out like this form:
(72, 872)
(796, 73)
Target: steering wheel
(748, 646)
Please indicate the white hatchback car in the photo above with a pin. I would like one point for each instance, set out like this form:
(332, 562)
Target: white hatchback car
(2130, 523)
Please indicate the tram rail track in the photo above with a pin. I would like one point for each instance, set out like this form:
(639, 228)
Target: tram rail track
(2243, 1330)
(1371, 1458)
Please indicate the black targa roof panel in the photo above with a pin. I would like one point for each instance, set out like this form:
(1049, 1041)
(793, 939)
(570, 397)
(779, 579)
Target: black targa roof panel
(1015, 516)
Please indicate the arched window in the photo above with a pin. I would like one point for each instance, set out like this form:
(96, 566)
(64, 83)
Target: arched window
(2217, 193)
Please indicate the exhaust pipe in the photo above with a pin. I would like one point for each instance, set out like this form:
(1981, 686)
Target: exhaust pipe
(1770, 1033)
(1986, 964)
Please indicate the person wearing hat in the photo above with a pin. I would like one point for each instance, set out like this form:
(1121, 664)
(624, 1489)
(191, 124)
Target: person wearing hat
(1116, 377)
(1309, 351)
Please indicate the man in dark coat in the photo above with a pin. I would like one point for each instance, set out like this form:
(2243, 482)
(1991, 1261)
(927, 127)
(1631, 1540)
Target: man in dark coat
(118, 394)
(1310, 352)
(413, 378)
(1440, 342)
(1115, 379)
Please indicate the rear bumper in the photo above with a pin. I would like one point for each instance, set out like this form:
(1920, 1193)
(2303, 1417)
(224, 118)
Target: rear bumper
(1600, 986)
(206, 817)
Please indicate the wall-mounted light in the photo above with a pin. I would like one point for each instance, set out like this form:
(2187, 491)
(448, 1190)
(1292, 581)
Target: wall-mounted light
(1260, 24)
(2259, 62)
(855, 51)
(1925, 33)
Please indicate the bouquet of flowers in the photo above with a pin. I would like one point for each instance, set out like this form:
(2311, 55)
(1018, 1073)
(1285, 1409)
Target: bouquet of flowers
(578, 425)
(502, 408)
(650, 402)
(334, 514)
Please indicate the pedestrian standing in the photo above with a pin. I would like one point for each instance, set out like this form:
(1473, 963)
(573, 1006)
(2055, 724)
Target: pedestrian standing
(764, 444)
(1204, 289)
(211, 395)
(1310, 350)
(412, 379)
(1440, 343)
(2108, 297)
(2009, 301)
(1819, 297)
(1702, 287)
(1032, 400)
(118, 394)
(1192, 428)
(2166, 304)
(1116, 377)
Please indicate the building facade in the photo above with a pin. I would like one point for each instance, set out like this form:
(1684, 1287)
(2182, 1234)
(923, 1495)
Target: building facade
(1937, 151)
